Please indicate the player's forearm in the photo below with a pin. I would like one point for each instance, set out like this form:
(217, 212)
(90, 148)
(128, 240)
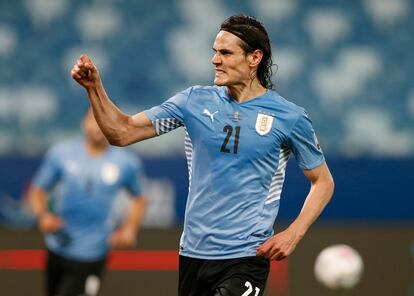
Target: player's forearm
(120, 129)
(112, 121)
(317, 199)
(135, 214)
(38, 201)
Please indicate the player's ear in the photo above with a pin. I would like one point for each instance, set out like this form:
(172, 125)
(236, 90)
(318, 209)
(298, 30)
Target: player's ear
(255, 58)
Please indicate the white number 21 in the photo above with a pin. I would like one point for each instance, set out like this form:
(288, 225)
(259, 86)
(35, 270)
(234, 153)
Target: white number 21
(250, 289)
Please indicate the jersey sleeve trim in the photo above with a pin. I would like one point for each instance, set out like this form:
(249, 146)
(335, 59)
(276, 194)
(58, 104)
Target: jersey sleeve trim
(163, 126)
(313, 165)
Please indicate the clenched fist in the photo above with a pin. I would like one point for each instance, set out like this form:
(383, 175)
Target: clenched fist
(85, 72)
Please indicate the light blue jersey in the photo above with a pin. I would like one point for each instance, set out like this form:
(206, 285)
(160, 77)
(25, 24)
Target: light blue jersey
(86, 188)
(237, 155)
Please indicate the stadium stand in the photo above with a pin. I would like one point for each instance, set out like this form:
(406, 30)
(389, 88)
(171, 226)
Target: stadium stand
(347, 62)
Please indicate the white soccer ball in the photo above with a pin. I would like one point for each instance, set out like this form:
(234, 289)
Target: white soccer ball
(339, 267)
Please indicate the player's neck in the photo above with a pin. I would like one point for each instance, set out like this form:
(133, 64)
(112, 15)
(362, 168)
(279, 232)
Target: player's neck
(244, 92)
(95, 149)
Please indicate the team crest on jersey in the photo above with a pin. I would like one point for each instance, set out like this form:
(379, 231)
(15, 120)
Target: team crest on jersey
(263, 124)
(110, 173)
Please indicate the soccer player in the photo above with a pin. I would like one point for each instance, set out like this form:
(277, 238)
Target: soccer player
(84, 177)
(239, 135)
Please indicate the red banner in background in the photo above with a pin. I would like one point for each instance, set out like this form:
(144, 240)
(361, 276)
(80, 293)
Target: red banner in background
(137, 260)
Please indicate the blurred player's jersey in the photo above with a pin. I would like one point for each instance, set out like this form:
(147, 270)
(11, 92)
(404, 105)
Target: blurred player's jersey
(237, 155)
(86, 188)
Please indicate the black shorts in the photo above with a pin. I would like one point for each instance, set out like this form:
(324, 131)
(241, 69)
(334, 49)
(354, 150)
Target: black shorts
(239, 277)
(72, 278)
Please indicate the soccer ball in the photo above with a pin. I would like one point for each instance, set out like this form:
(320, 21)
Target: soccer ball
(339, 267)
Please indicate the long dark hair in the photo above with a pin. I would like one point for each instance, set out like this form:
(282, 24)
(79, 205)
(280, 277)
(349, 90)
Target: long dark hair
(253, 36)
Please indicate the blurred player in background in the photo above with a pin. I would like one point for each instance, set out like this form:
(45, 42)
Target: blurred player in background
(85, 176)
(239, 135)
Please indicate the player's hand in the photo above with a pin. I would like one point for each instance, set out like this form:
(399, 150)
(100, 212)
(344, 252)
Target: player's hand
(49, 222)
(123, 238)
(85, 72)
(279, 246)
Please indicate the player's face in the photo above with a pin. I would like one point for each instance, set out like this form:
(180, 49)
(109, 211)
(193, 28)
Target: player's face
(232, 65)
(92, 130)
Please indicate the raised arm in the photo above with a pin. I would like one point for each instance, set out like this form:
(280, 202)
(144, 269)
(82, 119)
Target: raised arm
(284, 243)
(119, 128)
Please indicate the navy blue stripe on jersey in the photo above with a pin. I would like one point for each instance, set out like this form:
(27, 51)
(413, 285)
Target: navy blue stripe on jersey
(279, 177)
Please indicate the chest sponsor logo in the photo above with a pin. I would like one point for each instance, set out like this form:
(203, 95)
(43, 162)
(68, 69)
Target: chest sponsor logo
(264, 124)
(208, 113)
(110, 173)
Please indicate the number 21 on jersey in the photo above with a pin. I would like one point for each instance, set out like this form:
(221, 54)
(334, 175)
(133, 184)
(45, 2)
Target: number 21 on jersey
(229, 130)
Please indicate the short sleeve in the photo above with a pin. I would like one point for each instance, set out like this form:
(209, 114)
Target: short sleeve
(304, 144)
(134, 176)
(170, 114)
(49, 172)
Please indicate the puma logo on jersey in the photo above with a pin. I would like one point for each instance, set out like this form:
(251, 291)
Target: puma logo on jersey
(206, 112)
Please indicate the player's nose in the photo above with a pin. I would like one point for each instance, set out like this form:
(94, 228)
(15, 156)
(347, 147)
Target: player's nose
(215, 60)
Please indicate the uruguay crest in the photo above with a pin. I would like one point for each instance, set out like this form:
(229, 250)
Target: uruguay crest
(263, 124)
(110, 173)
